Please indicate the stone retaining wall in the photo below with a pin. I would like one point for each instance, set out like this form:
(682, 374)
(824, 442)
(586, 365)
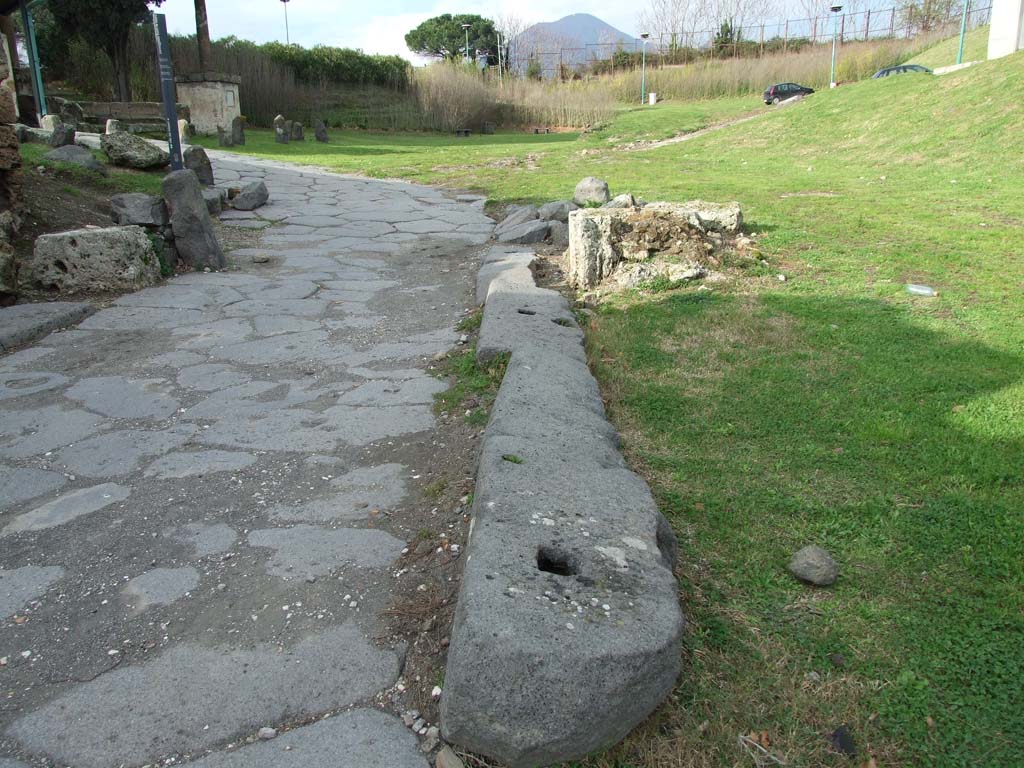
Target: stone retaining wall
(568, 627)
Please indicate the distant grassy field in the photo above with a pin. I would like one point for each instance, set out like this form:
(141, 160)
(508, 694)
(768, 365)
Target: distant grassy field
(831, 408)
(944, 53)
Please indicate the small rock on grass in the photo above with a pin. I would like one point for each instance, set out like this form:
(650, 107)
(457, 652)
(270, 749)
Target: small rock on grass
(842, 741)
(814, 565)
(447, 758)
(266, 734)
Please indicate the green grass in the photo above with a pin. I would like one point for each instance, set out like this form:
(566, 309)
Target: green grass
(833, 408)
(944, 53)
(117, 180)
(473, 386)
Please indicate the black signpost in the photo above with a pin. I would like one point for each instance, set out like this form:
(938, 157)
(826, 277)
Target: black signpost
(163, 60)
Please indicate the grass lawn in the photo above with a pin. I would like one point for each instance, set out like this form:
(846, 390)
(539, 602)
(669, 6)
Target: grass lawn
(943, 54)
(832, 408)
(117, 179)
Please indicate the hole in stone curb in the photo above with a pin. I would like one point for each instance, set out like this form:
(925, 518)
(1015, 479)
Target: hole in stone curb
(668, 544)
(564, 322)
(552, 560)
(526, 312)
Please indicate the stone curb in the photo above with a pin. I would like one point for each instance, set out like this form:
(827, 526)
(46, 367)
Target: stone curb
(568, 627)
(25, 323)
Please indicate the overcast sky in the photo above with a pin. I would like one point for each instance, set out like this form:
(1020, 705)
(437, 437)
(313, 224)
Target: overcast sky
(378, 26)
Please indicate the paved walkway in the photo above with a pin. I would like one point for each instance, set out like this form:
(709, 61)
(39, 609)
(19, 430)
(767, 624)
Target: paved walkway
(187, 482)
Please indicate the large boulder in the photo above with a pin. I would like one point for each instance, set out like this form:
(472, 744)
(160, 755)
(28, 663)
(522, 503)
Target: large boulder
(109, 259)
(591, 191)
(191, 224)
(75, 155)
(252, 196)
(130, 151)
(196, 159)
(533, 231)
(138, 208)
(557, 211)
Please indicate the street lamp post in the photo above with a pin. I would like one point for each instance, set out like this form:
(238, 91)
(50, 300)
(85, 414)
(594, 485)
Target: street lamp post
(643, 68)
(963, 33)
(466, 27)
(835, 33)
(287, 35)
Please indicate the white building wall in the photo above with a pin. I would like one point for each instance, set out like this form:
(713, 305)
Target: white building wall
(1006, 35)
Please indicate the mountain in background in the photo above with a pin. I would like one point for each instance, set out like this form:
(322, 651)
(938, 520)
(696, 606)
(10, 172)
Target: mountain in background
(578, 38)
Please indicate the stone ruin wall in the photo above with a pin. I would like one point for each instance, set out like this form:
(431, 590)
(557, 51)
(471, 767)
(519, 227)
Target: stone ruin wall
(10, 161)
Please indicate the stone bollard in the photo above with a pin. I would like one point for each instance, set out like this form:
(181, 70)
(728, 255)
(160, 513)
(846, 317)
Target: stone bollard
(297, 132)
(238, 130)
(320, 131)
(184, 131)
(282, 132)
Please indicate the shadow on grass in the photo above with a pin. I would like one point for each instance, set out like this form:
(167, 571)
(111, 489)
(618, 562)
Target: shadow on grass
(768, 423)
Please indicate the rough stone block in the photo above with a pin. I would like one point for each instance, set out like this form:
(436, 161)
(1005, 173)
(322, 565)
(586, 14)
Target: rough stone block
(320, 131)
(533, 231)
(196, 159)
(214, 201)
(138, 208)
(238, 130)
(557, 211)
(568, 627)
(25, 323)
(132, 151)
(591, 191)
(109, 259)
(251, 197)
(191, 224)
(75, 155)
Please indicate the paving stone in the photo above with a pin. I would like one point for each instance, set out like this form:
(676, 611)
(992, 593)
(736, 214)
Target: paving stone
(22, 585)
(119, 453)
(23, 323)
(32, 432)
(206, 539)
(210, 377)
(122, 398)
(366, 738)
(68, 507)
(305, 549)
(19, 484)
(23, 384)
(160, 586)
(199, 463)
(361, 490)
(193, 698)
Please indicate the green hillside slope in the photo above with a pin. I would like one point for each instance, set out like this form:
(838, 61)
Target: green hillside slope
(944, 53)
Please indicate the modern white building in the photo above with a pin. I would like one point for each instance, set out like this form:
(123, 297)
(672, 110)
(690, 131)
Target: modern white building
(1006, 33)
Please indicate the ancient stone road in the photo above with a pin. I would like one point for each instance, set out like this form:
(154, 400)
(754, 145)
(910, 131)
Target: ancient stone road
(186, 481)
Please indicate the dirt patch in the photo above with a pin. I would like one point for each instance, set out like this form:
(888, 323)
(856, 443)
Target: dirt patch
(54, 204)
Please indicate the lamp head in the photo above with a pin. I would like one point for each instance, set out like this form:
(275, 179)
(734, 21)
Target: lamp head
(836, 8)
(644, 35)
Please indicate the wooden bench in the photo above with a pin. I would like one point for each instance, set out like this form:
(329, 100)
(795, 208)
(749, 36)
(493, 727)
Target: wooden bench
(462, 132)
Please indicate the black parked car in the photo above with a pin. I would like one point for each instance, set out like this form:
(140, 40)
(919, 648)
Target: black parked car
(899, 70)
(773, 94)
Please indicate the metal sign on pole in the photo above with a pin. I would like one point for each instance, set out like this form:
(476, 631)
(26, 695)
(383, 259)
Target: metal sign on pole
(163, 60)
